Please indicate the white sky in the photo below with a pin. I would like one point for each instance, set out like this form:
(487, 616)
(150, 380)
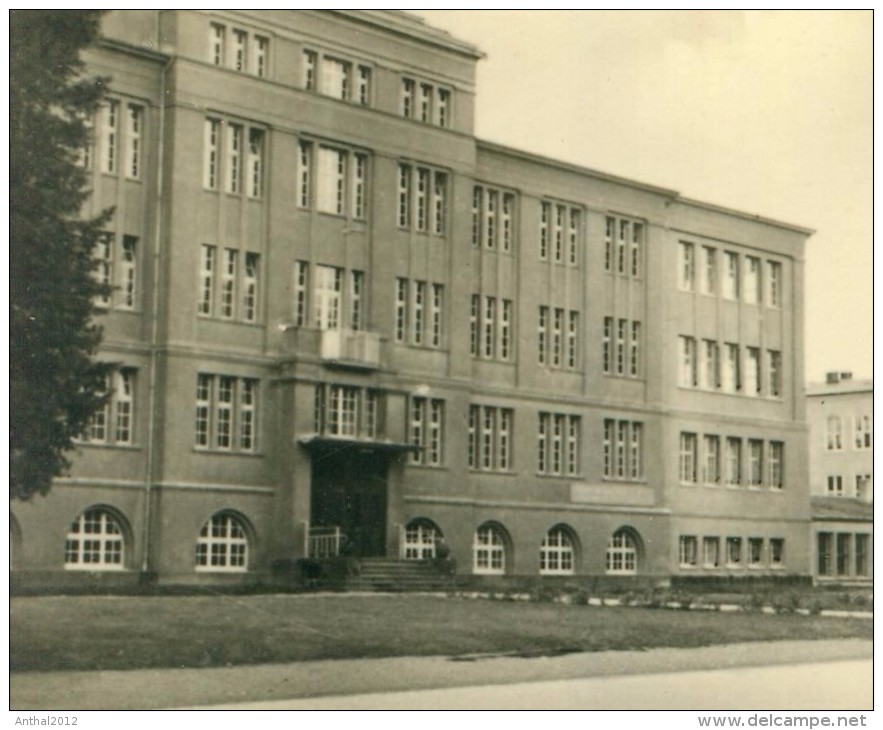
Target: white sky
(769, 112)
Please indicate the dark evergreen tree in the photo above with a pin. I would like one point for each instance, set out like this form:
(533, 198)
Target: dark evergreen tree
(55, 385)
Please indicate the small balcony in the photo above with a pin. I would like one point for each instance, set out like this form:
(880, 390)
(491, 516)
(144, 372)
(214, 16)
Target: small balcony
(351, 349)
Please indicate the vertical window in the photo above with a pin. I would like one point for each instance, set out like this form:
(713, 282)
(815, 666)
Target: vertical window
(609, 232)
(488, 551)
(326, 297)
(774, 284)
(261, 49)
(542, 334)
(505, 328)
(210, 161)
(407, 98)
(751, 283)
(835, 486)
(573, 237)
(114, 422)
(636, 461)
(752, 371)
(734, 552)
(687, 468)
(356, 286)
(734, 461)
(234, 157)
(228, 283)
(622, 432)
(110, 111)
(224, 413)
(558, 444)
(422, 201)
(472, 437)
(711, 364)
(360, 163)
(103, 271)
(711, 552)
(128, 272)
(557, 316)
(443, 104)
(834, 430)
(777, 464)
(623, 450)
(711, 473)
(557, 553)
(559, 233)
(755, 552)
(240, 40)
(425, 103)
(545, 209)
(621, 327)
(334, 78)
(300, 293)
(621, 243)
(774, 372)
(490, 318)
(688, 368)
(572, 344)
(609, 427)
(309, 70)
(862, 432)
(709, 270)
(686, 266)
(207, 280)
(250, 288)
(436, 426)
(688, 551)
(607, 361)
(862, 555)
(363, 86)
(303, 178)
(730, 382)
(330, 181)
(476, 217)
(634, 345)
(844, 558)
(204, 386)
(755, 462)
(730, 282)
(490, 219)
(825, 551)
(404, 196)
(490, 431)
(255, 163)
(863, 487)
(217, 35)
(246, 415)
(222, 545)
(622, 553)
(439, 194)
(637, 239)
(94, 541)
(135, 119)
(506, 222)
(418, 291)
(474, 306)
(573, 445)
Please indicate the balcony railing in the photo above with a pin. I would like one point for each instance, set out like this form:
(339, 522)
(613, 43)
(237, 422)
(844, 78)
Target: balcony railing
(351, 348)
(324, 542)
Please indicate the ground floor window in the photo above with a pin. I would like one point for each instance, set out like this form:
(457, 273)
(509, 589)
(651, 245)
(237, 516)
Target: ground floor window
(557, 552)
(222, 545)
(95, 541)
(622, 553)
(489, 550)
(420, 539)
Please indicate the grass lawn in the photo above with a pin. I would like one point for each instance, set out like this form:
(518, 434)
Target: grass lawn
(99, 632)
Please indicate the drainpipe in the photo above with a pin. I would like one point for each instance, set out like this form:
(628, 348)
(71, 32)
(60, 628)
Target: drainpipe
(154, 335)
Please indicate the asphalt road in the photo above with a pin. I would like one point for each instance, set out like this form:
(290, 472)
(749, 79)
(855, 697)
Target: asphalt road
(828, 686)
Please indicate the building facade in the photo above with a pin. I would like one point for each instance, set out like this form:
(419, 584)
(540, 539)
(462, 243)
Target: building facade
(840, 413)
(338, 312)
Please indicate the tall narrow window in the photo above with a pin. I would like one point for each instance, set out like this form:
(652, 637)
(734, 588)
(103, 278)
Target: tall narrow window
(609, 428)
(330, 180)
(224, 413)
(506, 222)
(334, 78)
(207, 280)
(774, 284)
(437, 304)
(309, 70)
(634, 350)
(730, 282)
(135, 119)
(490, 219)
(123, 403)
(636, 451)
(686, 266)
(356, 286)
(240, 42)
(573, 442)
(401, 308)
(557, 317)
(734, 461)
(439, 205)
(621, 244)
(474, 307)
(250, 288)
(734, 552)
(688, 369)
(774, 372)
(572, 329)
(559, 233)
(710, 364)
(304, 176)
(110, 112)
(326, 297)
(752, 371)
(687, 469)
(609, 232)
(777, 464)
(688, 550)
(572, 237)
(360, 164)
(709, 270)
(476, 217)
(425, 103)
(363, 86)
(228, 283)
(834, 428)
(234, 157)
(300, 293)
(128, 272)
(711, 552)
(542, 335)
(247, 424)
(711, 473)
(751, 282)
(777, 552)
(103, 271)
(755, 462)
(607, 343)
(407, 98)
(204, 384)
(255, 163)
(505, 328)
(261, 52)
(436, 431)
(730, 382)
(545, 209)
(422, 200)
(862, 432)
(637, 239)
(490, 318)
(210, 160)
(418, 291)
(217, 34)
(404, 196)
(443, 105)
(621, 327)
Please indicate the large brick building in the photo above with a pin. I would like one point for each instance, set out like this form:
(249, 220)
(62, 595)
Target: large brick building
(338, 311)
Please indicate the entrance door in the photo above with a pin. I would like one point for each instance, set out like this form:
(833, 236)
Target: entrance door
(349, 491)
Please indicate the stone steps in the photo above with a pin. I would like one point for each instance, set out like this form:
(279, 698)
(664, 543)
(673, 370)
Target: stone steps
(381, 574)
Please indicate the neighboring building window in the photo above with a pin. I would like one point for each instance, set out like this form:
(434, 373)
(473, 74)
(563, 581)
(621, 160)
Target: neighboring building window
(835, 486)
(414, 299)
(240, 44)
(731, 377)
(557, 552)
(347, 410)
(774, 284)
(752, 371)
(363, 86)
(217, 42)
(730, 283)
(309, 70)
(709, 270)
(825, 553)
(774, 372)
(420, 538)
(114, 422)
(427, 430)
(752, 281)
(492, 223)
(733, 462)
(689, 365)
(558, 442)
(862, 432)
(622, 554)
(623, 450)
(777, 552)
(710, 370)
(755, 552)
(422, 199)
(734, 552)
(862, 555)
(261, 55)
(489, 550)
(407, 98)
(222, 545)
(777, 464)
(686, 266)
(711, 472)
(711, 552)
(834, 432)
(688, 458)
(443, 108)
(688, 551)
(95, 541)
(863, 488)
(225, 413)
(844, 557)
(755, 462)
(490, 438)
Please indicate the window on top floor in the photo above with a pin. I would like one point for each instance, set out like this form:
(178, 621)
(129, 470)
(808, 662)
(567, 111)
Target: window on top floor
(862, 431)
(774, 284)
(752, 281)
(730, 282)
(623, 246)
(493, 219)
(237, 49)
(709, 270)
(422, 199)
(425, 102)
(834, 433)
(686, 266)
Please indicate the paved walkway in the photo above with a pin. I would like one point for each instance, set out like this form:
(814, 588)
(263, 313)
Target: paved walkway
(169, 688)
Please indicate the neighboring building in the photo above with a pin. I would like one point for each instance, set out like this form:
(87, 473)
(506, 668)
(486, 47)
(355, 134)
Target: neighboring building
(339, 311)
(840, 413)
